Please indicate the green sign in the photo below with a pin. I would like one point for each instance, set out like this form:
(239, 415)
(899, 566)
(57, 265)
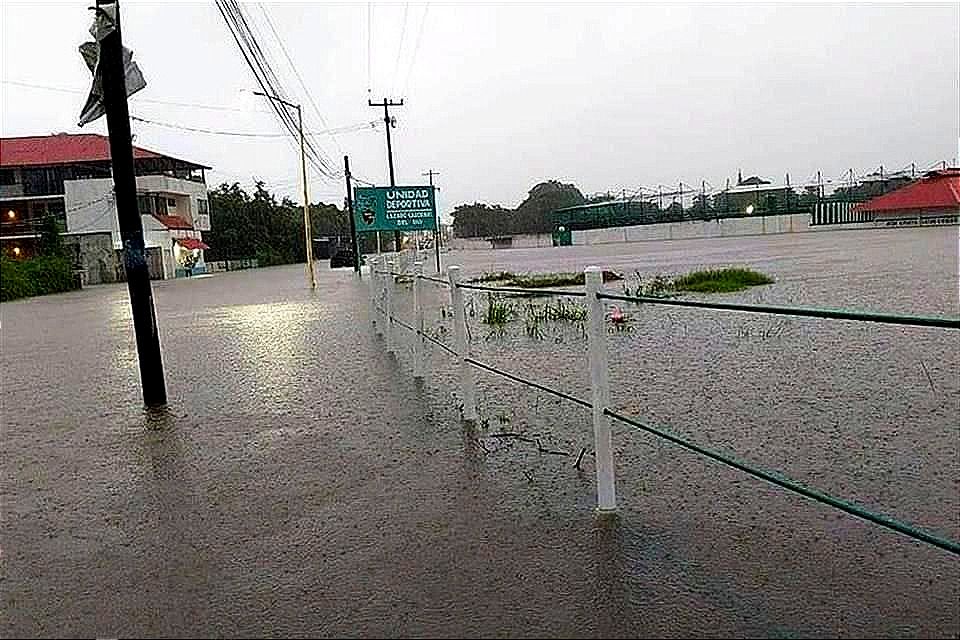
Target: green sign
(394, 208)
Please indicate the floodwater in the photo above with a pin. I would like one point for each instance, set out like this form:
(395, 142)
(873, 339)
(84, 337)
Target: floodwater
(302, 484)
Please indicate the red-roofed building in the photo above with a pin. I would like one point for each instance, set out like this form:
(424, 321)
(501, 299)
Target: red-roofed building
(933, 199)
(68, 177)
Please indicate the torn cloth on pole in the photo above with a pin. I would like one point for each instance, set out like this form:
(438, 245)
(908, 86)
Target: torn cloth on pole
(104, 23)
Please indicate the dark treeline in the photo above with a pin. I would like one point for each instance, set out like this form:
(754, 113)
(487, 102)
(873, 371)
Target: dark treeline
(257, 225)
(531, 216)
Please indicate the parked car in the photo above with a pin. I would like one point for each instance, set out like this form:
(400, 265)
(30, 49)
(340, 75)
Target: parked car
(344, 257)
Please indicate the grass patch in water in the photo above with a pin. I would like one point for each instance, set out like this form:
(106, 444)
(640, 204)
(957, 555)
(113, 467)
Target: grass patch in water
(540, 280)
(497, 276)
(498, 312)
(720, 280)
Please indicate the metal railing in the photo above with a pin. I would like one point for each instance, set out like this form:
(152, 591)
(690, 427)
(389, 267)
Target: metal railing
(383, 284)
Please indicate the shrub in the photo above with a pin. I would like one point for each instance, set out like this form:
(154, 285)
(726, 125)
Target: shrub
(35, 276)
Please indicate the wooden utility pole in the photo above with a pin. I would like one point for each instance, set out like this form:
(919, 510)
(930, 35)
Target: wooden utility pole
(353, 223)
(307, 232)
(386, 104)
(436, 219)
(131, 227)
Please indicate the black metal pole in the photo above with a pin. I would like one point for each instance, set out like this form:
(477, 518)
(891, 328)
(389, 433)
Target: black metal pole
(131, 227)
(353, 223)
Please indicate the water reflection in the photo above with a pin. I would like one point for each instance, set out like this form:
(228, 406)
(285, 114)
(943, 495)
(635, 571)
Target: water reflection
(610, 597)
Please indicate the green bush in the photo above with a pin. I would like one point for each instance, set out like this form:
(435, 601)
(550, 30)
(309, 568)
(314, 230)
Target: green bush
(35, 276)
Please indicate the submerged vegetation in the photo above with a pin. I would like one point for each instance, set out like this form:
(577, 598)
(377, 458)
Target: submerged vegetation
(504, 308)
(721, 280)
(725, 280)
(540, 280)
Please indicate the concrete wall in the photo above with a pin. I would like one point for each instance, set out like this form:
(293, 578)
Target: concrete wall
(90, 207)
(719, 228)
(97, 256)
(520, 241)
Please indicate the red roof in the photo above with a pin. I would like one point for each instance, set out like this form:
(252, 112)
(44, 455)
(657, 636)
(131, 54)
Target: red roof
(936, 190)
(63, 148)
(191, 243)
(173, 222)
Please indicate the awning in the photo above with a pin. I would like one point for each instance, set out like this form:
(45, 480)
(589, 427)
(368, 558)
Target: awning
(191, 243)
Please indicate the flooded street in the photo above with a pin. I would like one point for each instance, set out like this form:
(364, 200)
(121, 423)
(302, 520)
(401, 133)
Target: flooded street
(301, 483)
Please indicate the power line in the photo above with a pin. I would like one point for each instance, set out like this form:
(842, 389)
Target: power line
(403, 33)
(250, 134)
(192, 105)
(369, 38)
(303, 85)
(266, 77)
(416, 48)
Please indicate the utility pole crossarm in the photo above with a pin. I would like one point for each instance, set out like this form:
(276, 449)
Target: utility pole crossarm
(385, 103)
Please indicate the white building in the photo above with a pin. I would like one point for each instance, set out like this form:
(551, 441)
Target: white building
(68, 177)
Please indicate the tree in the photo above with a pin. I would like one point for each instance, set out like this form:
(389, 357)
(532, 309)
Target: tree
(533, 214)
(51, 244)
(479, 220)
(258, 226)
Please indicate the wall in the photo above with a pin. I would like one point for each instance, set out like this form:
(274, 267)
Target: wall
(520, 241)
(90, 207)
(98, 257)
(719, 228)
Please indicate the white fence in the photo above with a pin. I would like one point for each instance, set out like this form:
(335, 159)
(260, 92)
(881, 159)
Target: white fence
(385, 270)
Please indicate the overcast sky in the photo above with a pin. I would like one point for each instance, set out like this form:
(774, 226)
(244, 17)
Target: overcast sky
(499, 97)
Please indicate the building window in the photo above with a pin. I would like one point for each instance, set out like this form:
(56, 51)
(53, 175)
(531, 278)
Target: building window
(171, 202)
(8, 177)
(203, 208)
(145, 205)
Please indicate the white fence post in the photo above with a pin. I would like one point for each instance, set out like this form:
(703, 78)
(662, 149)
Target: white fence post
(388, 282)
(373, 278)
(468, 389)
(418, 320)
(600, 392)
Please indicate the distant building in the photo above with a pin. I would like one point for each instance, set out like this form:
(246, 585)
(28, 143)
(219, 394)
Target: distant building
(755, 196)
(752, 181)
(933, 199)
(69, 177)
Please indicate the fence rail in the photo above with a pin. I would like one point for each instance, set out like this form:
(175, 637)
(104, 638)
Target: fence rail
(794, 486)
(811, 312)
(522, 291)
(383, 285)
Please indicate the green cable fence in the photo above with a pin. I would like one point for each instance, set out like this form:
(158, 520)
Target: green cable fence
(384, 320)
